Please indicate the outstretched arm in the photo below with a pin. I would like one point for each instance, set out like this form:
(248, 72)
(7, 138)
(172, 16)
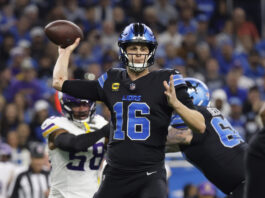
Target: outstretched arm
(192, 118)
(60, 71)
(76, 143)
(178, 136)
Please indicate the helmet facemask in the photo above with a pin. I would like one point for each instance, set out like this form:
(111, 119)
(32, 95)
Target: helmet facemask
(80, 111)
(138, 67)
(137, 33)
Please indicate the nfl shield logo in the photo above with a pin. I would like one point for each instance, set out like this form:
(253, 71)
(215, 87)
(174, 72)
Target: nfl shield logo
(132, 86)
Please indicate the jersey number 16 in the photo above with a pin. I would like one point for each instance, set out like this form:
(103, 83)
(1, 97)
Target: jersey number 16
(138, 127)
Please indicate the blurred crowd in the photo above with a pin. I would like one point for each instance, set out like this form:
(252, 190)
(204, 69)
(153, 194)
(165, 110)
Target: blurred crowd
(200, 38)
(203, 190)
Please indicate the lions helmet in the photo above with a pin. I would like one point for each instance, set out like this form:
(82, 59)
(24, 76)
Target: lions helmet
(137, 33)
(200, 95)
(198, 91)
(68, 102)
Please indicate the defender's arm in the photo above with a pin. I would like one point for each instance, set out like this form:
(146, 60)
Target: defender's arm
(72, 143)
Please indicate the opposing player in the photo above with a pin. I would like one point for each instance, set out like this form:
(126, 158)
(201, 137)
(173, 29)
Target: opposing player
(75, 148)
(139, 104)
(219, 151)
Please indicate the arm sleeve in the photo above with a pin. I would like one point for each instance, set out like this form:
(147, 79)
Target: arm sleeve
(196, 138)
(184, 97)
(73, 143)
(172, 148)
(84, 89)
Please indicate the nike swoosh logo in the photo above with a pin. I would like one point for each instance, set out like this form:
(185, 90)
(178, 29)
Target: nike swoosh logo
(150, 173)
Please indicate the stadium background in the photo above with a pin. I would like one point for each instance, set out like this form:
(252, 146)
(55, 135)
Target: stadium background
(220, 42)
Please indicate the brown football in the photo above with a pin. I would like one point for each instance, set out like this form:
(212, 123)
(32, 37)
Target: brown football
(63, 32)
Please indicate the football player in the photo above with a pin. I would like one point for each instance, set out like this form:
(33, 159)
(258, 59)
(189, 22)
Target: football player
(141, 104)
(75, 148)
(255, 162)
(219, 151)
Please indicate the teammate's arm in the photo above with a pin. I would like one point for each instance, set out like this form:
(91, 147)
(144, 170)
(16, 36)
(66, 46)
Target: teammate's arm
(76, 143)
(178, 136)
(172, 148)
(192, 118)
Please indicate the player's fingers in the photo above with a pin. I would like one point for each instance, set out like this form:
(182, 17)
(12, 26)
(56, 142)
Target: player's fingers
(167, 93)
(75, 44)
(77, 40)
(166, 85)
(171, 83)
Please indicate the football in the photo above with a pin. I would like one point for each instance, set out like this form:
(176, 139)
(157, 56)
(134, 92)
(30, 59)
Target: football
(63, 32)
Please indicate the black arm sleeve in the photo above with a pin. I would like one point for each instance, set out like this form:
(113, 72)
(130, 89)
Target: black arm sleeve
(73, 143)
(196, 138)
(184, 97)
(84, 89)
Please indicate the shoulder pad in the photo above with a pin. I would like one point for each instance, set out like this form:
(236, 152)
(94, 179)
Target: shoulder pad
(214, 111)
(49, 126)
(102, 79)
(98, 122)
(116, 69)
(170, 71)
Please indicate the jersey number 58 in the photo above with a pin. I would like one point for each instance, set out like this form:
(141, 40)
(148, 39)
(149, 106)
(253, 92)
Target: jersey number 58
(78, 161)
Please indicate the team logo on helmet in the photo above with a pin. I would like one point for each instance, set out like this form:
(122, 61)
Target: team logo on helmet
(198, 91)
(200, 95)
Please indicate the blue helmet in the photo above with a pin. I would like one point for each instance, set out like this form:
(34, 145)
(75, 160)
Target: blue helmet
(137, 33)
(200, 95)
(198, 91)
(67, 102)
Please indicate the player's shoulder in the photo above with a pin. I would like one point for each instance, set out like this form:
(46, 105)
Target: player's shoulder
(114, 72)
(52, 124)
(111, 74)
(99, 118)
(99, 121)
(54, 120)
(166, 72)
(210, 111)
